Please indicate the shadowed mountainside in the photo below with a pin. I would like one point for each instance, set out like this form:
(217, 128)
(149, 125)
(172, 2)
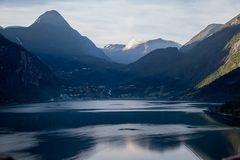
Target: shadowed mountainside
(72, 57)
(23, 77)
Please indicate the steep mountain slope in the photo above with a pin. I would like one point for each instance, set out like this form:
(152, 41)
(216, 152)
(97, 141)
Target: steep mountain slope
(207, 32)
(23, 77)
(194, 66)
(51, 34)
(228, 51)
(215, 64)
(231, 62)
(225, 88)
(175, 74)
(134, 50)
(208, 56)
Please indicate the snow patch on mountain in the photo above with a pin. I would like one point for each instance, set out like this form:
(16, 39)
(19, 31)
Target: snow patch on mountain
(132, 44)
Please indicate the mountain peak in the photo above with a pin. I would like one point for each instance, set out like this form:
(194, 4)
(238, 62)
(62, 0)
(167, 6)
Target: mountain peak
(52, 17)
(52, 12)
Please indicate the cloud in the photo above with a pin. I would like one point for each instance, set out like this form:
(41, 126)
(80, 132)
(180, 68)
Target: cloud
(108, 21)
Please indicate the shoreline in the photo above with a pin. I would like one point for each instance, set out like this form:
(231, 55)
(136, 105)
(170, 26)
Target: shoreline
(227, 119)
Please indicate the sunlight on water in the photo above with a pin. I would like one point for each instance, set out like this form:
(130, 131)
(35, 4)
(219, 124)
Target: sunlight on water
(132, 151)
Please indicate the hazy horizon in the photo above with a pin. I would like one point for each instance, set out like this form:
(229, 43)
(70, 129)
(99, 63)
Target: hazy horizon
(108, 22)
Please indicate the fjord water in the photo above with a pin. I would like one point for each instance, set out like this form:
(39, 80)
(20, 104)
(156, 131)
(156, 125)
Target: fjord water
(115, 129)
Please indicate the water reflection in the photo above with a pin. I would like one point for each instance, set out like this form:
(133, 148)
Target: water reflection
(17, 144)
(52, 131)
(132, 151)
(234, 138)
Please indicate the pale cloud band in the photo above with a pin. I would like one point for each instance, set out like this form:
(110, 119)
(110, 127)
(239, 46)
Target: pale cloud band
(118, 21)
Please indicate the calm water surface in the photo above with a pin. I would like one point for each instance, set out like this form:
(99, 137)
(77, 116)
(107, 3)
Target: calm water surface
(115, 129)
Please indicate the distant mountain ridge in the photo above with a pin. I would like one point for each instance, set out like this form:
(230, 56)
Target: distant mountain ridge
(134, 50)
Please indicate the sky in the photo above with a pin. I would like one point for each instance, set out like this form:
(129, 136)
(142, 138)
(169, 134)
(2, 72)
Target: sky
(119, 21)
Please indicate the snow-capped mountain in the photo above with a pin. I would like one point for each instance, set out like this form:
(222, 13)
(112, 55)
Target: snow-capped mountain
(132, 44)
(134, 49)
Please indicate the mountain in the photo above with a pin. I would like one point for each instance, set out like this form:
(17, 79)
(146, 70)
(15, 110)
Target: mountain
(157, 61)
(134, 50)
(187, 70)
(51, 34)
(207, 32)
(212, 65)
(23, 77)
(171, 73)
(154, 75)
(230, 62)
(210, 55)
(225, 88)
(72, 57)
(150, 71)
